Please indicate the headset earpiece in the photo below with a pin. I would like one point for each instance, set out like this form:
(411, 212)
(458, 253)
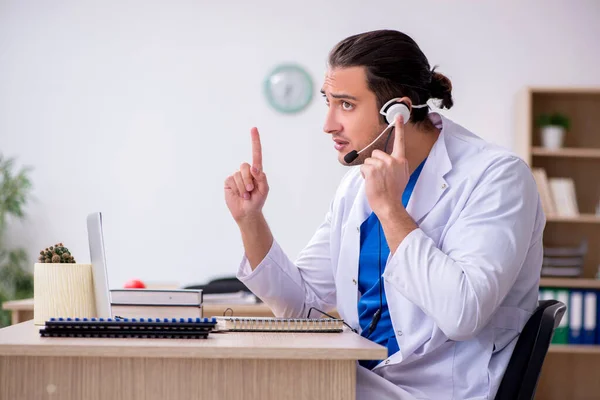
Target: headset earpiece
(393, 108)
(389, 110)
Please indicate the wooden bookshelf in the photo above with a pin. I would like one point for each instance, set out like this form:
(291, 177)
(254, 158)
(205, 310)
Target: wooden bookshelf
(574, 349)
(572, 152)
(572, 283)
(579, 159)
(569, 370)
(580, 219)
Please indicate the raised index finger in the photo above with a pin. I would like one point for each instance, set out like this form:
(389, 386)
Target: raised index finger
(256, 150)
(398, 152)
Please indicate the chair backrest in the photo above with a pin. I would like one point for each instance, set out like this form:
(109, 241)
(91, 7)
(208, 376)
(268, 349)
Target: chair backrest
(221, 285)
(523, 371)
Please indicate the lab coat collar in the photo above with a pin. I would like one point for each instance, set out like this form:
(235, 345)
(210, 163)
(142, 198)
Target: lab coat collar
(431, 184)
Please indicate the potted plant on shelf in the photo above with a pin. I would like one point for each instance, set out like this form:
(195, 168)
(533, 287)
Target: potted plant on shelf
(62, 287)
(552, 129)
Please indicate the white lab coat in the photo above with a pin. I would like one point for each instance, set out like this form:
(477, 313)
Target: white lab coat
(459, 288)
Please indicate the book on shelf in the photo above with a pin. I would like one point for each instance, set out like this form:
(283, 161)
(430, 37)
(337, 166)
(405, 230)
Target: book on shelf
(557, 194)
(565, 198)
(562, 266)
(563, 272)
(541, 179)
(564, 261)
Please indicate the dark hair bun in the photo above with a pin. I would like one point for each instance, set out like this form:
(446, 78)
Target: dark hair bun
(441, 88)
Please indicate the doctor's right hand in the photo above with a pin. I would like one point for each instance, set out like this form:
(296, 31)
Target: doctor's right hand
(246, 190)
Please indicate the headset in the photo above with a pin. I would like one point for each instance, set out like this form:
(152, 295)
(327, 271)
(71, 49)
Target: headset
(390, 111)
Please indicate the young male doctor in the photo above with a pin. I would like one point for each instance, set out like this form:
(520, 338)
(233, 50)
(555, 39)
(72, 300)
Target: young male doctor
(432, 244)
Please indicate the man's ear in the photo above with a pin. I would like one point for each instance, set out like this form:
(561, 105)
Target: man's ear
(408, 101)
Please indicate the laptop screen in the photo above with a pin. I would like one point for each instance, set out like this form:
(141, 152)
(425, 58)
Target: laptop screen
(98, 261)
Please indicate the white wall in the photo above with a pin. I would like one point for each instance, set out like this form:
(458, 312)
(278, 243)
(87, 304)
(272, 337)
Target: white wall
(125, 107)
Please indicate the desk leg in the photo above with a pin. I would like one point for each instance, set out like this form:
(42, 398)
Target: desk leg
(18, 316)
(14, 317)
(95, 378)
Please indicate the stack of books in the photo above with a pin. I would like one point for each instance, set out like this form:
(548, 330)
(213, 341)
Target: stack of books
(565, 262)
(156, 303)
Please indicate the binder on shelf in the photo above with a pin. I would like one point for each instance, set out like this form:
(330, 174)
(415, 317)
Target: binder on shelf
(576, 317)
(589, 317)
(597, 319)
(561, 333)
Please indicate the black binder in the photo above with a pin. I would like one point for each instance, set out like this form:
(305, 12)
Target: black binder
(174, 328)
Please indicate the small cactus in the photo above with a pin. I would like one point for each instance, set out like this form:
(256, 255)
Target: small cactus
(56, 254)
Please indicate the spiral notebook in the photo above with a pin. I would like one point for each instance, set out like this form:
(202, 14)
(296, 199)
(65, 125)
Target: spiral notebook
(173, 328)
(261, 324)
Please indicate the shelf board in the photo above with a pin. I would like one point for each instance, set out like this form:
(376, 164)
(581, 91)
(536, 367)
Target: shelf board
(579, 283)
(564, 89)
(574, 349)
(581, 218)
(572, 152)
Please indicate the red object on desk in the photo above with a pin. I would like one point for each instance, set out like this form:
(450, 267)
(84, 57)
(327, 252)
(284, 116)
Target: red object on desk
(134, 284)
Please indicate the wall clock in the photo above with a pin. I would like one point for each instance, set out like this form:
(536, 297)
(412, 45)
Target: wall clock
(288, 88)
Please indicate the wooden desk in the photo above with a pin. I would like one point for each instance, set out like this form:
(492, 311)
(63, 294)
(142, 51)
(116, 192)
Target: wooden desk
(22, 310)
(224, 366)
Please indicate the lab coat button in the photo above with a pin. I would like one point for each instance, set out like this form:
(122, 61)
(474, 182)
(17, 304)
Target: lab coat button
(399, 333)
(354, 281)
(387, 362)
(444, 186)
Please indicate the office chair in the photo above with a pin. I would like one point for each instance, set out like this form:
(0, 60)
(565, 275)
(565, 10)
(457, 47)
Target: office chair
(523, 371)
(221, 285)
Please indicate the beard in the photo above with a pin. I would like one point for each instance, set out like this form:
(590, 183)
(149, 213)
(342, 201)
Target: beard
(384, 143)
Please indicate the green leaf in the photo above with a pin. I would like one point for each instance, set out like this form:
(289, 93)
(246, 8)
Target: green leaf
(554, 119)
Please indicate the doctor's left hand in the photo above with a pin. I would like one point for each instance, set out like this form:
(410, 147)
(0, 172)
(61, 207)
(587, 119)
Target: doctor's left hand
(386, 176)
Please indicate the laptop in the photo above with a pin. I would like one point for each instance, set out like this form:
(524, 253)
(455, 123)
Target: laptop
(98, 261)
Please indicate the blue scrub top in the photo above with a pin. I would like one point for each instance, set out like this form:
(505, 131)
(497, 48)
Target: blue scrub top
(374, 252)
